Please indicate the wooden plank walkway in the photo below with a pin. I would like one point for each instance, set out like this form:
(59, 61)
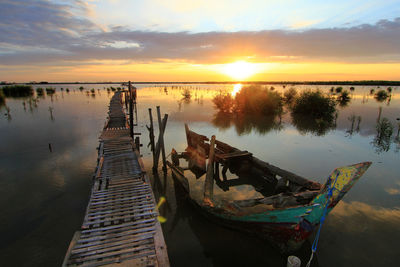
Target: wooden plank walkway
(120, 227)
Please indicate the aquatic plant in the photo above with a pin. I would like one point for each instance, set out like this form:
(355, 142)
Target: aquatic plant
(339, 89)
(290, 95)
(50, 90)
(81, 88)
(384, 132)
(254, 99)
(332, 89)
(113, 89)
(372, 91)
(67, 90)
(313, 112)
(186, 94)
(92, 90)
(39, 91)
(253, 107)
(17, 90)
(2, 99)
(389, 89)
(224, 102)
(344, 98)
(381, 95)
(315, 104)
(352, 88)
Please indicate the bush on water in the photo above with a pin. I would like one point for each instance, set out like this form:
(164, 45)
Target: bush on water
(17, 90)
(381, 95)
(290, 95)
(50, 90)
(252, 99)
(39, 91)
(313, 112)
(2, 99)
(344, 98)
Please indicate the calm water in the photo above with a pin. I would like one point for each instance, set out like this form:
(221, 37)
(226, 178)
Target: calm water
(44, 193)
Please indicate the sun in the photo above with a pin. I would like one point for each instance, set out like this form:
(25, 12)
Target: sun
(240, 70)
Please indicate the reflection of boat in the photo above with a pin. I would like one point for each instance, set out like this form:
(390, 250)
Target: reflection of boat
(290, 207)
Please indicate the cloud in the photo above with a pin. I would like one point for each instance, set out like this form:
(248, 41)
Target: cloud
(39, 32)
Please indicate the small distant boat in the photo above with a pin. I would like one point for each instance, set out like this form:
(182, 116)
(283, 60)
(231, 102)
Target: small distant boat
(291, 206)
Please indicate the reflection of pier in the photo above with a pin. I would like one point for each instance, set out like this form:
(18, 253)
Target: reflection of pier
(120, 224)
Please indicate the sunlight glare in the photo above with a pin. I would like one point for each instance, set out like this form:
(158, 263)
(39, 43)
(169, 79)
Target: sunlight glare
(236, 88)
(240, 70)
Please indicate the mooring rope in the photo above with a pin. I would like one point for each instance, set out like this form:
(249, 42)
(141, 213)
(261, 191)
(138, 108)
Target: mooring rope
(322, 220)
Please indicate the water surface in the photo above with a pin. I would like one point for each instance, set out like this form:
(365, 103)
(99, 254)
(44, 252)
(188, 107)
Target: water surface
(44, 189)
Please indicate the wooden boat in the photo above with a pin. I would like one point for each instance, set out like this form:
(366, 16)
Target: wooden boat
(291, 206)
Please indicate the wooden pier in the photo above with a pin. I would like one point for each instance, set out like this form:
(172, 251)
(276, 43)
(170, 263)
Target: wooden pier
(120, 227)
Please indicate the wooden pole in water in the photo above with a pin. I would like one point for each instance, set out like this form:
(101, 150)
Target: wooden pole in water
(151, 132)
(159, 142)
(130, 110)
(162, 138)
(126, 99)
(209, 182)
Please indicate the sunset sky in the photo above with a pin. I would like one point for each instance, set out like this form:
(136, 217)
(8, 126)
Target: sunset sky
(184, 40)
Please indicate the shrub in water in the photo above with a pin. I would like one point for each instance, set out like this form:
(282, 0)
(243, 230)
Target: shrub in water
(313, 112)
(254, 99)
(39, 91)
(352, 88)
(224, 102)
(339, 89)
(381, 95)
(290, 95)
(382, 140)
(2, 99)
(344, 98)
(17, 90)
(315, 104)
(372, 91)
(50, 90)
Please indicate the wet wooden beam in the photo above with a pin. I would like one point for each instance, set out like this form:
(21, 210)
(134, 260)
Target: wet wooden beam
(209, 182)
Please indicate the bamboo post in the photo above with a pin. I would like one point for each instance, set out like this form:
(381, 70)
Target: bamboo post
(151, 132)
(209, 182)
(130, 110)
(159, 142)
(126, 99)
(162, 138)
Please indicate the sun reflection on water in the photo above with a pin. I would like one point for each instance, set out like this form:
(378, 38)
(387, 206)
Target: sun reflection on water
(236, 89)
